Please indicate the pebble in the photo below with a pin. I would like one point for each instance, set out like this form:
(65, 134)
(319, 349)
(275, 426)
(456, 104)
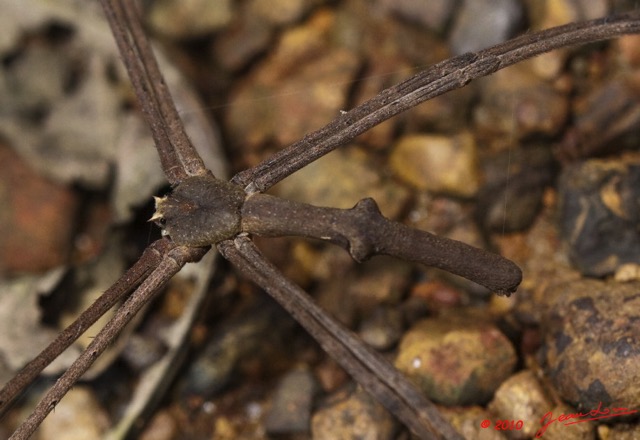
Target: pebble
(436, 163)
(357, 417)
(78, 416)
(382, 328)
(483, 23)
(290, 411)
(513, 188)
(521, 397)
(188, 19)
(358, 177)
(598, 212)
(591, 342)
(305, 79)
(162, 426)
(241, 336)
(468, 421)
(456, 360)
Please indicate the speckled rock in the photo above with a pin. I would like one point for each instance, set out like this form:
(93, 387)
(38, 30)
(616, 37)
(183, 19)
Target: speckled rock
(456, 361)
(441, 164)
(599, 212)
(358, 417)
(483, 23)
(591, 342)
(521, 397)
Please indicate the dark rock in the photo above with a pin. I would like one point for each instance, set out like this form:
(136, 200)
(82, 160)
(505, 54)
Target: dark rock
(599, 213)
(591, 342)
(511, 196)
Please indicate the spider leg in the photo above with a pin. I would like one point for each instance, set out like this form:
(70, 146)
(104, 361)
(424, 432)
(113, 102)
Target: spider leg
(367, 367)
(178, 156)
(365, 232)
(125, 284)
(170, 263)
(437, 80)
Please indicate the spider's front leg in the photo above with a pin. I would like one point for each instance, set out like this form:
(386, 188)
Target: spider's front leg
(203, 210)
(365, 232)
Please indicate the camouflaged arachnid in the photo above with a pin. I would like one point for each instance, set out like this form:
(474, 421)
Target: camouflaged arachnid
(200, 211)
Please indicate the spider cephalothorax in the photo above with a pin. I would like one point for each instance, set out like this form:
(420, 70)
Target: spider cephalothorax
(200, 211)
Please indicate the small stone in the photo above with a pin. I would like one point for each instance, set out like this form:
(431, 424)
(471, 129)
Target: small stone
(441, 164)
(162, 426)
(483, 23)
(456, 361)
(471, 422)
(591, 342)
(598, 211)
(358, 417)
(78, 416)
(358, 177)
(382, 328)
(306, 79)
(185, 19)
(521, 397)
(511, 195)
(290, 410)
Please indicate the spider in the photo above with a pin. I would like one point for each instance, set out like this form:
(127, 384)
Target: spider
(202, 211)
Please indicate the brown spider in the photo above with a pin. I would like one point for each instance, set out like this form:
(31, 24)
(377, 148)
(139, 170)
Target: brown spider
(202, 211)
